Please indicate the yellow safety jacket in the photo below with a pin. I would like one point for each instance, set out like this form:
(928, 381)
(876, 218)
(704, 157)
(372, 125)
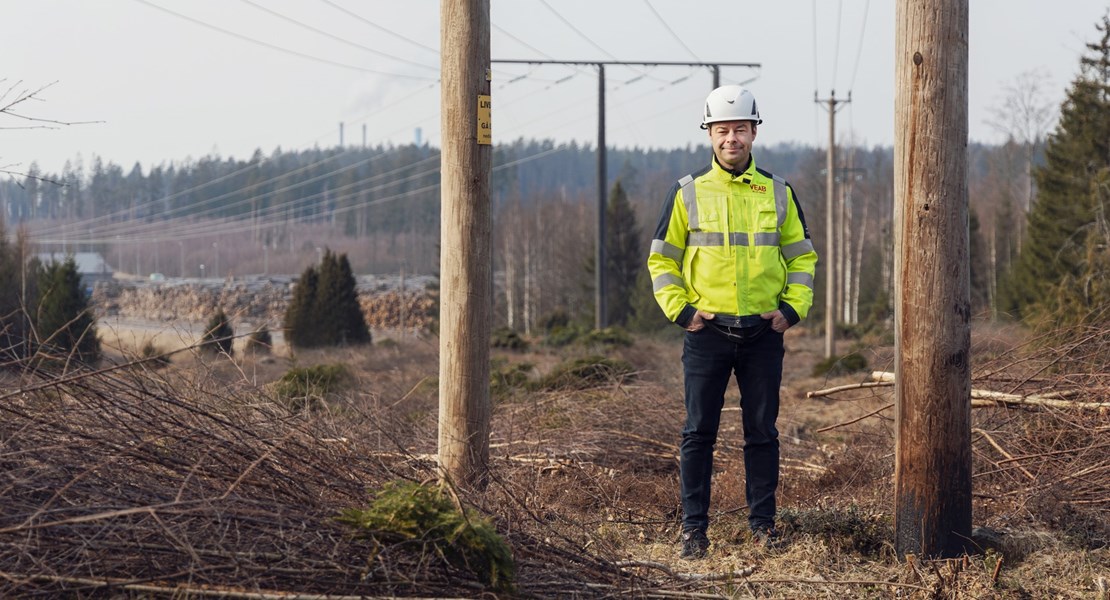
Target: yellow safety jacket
(732, 244)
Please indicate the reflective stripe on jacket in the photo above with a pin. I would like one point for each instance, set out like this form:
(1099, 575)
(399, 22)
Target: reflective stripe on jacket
(735, 245)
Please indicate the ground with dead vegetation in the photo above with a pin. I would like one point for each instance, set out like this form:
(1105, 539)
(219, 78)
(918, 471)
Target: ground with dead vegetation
(217, 477)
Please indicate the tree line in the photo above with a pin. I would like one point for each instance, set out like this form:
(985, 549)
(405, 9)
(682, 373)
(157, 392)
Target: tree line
(1037, 225)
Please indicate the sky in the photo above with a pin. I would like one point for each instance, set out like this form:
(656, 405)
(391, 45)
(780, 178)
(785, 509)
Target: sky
(170, 81)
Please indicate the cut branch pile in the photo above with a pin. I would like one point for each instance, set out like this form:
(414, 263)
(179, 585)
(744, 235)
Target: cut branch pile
(128, 481)
(1051, 454)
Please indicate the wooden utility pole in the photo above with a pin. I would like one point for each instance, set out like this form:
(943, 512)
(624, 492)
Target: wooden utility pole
(830, 222)
(932, 458)
(465, 272)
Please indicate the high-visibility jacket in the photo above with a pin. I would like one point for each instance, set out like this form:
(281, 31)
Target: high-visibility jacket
(733, 244)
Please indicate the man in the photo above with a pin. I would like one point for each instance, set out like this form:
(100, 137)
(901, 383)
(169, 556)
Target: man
(732, 263)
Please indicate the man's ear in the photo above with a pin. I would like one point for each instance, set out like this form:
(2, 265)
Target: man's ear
(755, 129)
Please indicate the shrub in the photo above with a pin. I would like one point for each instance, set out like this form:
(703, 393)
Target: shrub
(260, 342)
(218, 334)
(155, 354)
(841, 365)
(563, 336)
(610, 336)
(504, 337)
(865, 532)
(587, 372)
(302, 387)
(407, 512)
(505, 377)
(64, 321)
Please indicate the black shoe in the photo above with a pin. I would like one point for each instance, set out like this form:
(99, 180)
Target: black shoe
(694, 544)
(766, 537)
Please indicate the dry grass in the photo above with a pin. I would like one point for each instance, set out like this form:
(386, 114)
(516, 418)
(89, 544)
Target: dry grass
(194, 480)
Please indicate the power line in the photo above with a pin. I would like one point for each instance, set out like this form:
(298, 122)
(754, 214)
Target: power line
(129, 226)
(384, 30)
(859, 51)
(276, 47)
(123, 212)
(836, 47)
(242, 225)
(576, 30)
(671, 31)
(335, 37)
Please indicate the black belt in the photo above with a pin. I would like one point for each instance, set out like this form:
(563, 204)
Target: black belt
(733, 321)
(739, 329)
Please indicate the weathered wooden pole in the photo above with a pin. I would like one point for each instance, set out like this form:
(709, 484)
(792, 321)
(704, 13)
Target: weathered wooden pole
(932, 462)
(830, 220)
(465, 239)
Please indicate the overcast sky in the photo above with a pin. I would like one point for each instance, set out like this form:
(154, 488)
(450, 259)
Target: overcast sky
(226, 77)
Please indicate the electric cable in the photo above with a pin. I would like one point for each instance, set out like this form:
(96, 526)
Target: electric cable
(332, 36)
(671, 31)
(859, 51)
(836, 46)
(275, 46)
(384, 30)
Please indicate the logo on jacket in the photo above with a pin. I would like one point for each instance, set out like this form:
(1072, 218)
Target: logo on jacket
(761, 189)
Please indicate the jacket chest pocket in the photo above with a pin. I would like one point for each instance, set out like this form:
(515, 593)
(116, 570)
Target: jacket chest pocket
(713, 215)
(767, 220)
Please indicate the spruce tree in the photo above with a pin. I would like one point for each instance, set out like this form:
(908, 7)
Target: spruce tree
(355, 330)
(646, 316)
(327, 315)
(11, 310)
(64, 321)
(298, 321)
(1056, 250)
(218, 334)
(980, 270)
(324, 310)
(624, 255)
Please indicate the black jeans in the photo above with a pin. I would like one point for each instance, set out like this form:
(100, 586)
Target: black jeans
(709, 358)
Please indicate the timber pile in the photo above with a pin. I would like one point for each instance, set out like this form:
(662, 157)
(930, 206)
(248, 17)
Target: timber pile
(262, 300)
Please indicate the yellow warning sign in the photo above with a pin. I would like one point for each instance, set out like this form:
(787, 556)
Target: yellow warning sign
(485, 131)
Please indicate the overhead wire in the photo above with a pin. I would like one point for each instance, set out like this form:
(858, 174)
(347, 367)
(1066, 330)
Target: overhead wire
(265, 44)
(671, 31)
(859, 50)
(836, 47)
(191, 210)
(246, 168)
(816, 112)
(337, 38)
(380, 28)
(232, 225)
(527, 75)
(580, 33)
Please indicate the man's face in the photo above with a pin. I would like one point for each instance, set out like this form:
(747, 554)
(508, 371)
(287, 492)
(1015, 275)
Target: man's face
(732, 142)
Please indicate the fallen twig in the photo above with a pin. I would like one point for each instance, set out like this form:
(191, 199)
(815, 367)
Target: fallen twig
(856, 420)
(742, 573)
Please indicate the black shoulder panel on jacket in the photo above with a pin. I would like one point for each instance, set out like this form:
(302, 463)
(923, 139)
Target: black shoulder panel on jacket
(665, 218)
(668, 204)
(798, 207)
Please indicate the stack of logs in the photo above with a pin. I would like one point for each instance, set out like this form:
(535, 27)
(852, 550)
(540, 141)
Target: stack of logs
(261, 301)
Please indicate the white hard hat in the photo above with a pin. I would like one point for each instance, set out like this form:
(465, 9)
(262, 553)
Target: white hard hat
(730, 103)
